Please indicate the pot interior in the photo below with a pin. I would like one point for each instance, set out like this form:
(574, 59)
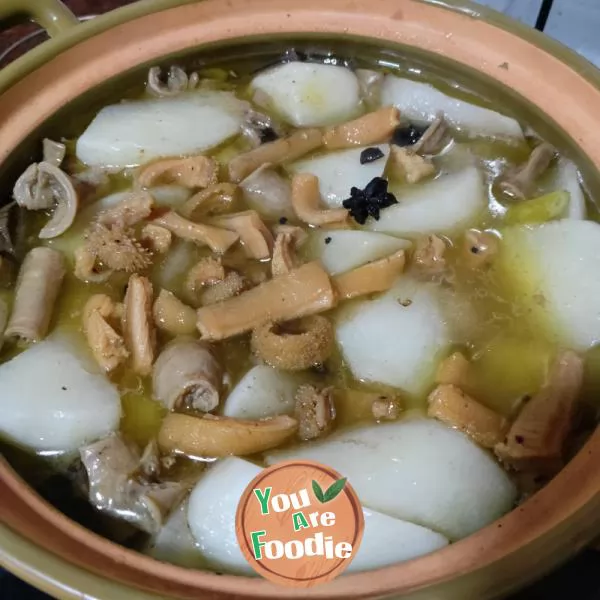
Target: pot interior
(246, 57)
(257, 52)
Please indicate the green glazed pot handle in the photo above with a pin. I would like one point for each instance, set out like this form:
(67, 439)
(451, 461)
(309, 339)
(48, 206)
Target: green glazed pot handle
(52, 15)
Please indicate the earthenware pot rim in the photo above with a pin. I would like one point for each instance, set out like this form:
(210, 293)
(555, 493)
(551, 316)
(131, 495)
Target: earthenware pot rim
(520, 532)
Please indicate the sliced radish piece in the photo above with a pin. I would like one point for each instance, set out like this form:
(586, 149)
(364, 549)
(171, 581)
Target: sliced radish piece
(420, 102)
(448, 204)
(554, 270)
(308, 94)
(51, 399)
(132, 133)
(262, 392)
(397, 338)
(342, 250)
(339, 171)
(387, 541)
(211, 517)
(211, 513)
(174, 542)
(417, 470)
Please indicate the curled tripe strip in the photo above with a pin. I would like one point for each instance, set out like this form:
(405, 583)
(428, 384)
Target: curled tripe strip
(306, 201)
(294, 346)
(212, 436)
(39, 282)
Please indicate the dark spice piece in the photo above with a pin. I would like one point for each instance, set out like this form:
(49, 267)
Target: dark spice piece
(519, 439)
(327, 240)
(407, 135)
(267, 134)
(474, 249)
(283, 220)
(369, 155)
(366, 203)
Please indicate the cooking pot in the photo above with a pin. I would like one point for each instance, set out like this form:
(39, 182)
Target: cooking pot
(560, 93)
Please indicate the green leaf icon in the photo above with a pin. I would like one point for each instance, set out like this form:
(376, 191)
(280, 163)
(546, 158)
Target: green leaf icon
(318, 491)
(334, 489)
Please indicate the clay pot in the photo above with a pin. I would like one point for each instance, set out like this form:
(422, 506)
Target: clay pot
(551, 83)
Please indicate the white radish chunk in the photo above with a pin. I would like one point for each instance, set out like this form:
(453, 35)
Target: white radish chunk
(397, 338)
(342, 250)
(211, 513)
(387, 541)
(179, 260)
(308, 94)
(567, 178)
(174, 542)
(133, 133)
(417, 470)
(554, 269)
(262, 392)
(211, 518)
(420, 102)
(339, 171)
(448, 204)
(50, 401)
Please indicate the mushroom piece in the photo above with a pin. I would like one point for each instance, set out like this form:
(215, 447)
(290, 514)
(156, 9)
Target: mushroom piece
(432, 139)
(306, 201)
(428, 256)
(373, 128)
(43, 185)
(454, 370)
(186, 375)
(258, 128)
(192, 172)
(452, 406)
(302, 292)
(284, 254)
(314, 410)
(108, 347)
(376, 276)
(217, 239)
(232, 285)
(385, 409)
(54, 152)
(480, 247)
(115, 248)
(536, 438)
(38, 284)
(138, 325)
(136, 207)
(519, 183)
(294, 345)
(211, 436)
(298, 233)
(177, 81)
(110, 465)
(86, 267)
(409, 166)
(207, 271)
(156, 239)
(253, 233)
(214, 200)
(172, 315)
(286, 149)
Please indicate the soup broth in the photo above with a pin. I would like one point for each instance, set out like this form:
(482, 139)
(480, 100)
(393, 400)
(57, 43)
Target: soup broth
(287, 254)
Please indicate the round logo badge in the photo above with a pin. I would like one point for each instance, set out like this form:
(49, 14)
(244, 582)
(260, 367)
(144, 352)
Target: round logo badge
(299, 523)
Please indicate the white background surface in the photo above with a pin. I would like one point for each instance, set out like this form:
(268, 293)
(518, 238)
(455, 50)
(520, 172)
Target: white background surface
(575, 23)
